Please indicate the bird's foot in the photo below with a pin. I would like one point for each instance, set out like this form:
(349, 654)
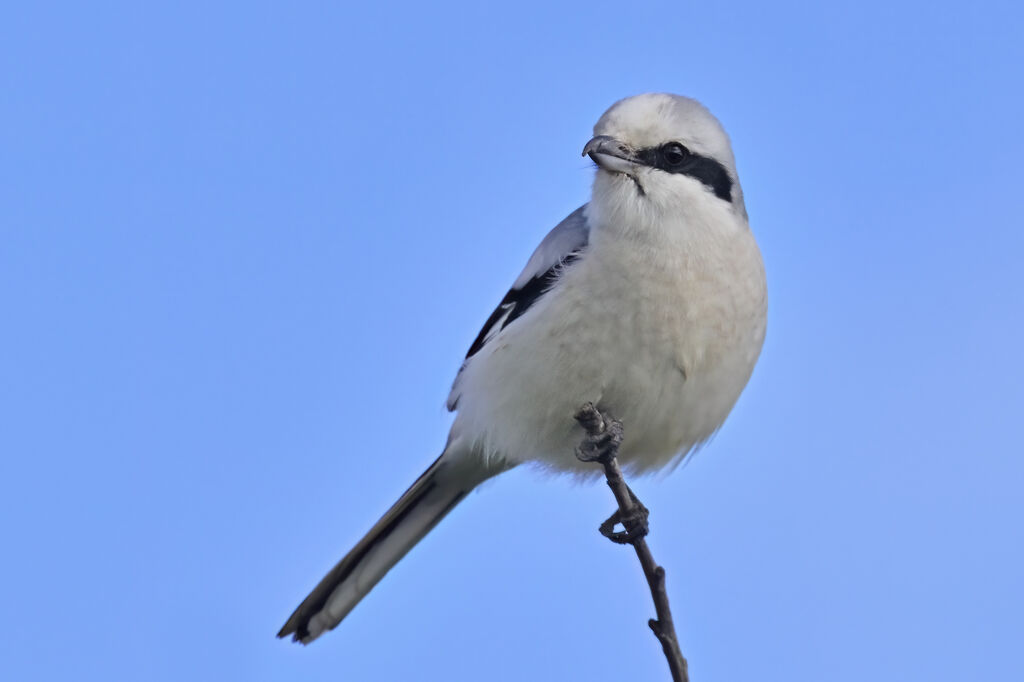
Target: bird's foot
(634, 523)
(604, 435)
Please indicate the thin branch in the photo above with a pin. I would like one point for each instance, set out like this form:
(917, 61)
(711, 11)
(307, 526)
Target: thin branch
(601, 445)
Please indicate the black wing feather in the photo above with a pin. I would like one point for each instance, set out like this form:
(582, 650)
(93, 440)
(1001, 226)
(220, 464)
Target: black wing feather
(520, 299)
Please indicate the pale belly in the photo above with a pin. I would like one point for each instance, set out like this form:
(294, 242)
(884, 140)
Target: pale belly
(668, 353)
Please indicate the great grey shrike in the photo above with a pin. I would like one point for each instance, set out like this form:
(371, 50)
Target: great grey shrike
(648, 301)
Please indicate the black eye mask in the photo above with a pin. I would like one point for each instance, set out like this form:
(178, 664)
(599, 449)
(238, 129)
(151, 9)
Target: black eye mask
(675, 158)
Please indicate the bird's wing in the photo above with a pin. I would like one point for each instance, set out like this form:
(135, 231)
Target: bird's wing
(561, 247)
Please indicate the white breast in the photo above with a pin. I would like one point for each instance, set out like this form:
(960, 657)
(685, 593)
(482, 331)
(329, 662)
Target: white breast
(659, 324)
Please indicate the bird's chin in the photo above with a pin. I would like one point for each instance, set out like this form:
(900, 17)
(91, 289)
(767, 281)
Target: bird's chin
(622, 178)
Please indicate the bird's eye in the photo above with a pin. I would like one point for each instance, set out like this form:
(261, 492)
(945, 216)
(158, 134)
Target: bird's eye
(674, 153)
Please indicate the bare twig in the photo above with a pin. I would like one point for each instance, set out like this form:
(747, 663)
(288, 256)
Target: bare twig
(601, 445)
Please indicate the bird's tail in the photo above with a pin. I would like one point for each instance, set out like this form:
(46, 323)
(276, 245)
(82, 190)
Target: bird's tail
(435, 493)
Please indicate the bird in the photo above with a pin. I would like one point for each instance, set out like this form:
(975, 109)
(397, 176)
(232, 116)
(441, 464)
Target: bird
(649, 301)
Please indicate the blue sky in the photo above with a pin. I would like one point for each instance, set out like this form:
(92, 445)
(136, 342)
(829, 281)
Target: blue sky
(245, 246)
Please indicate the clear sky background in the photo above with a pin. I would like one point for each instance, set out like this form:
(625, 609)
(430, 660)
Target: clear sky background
(244, 247)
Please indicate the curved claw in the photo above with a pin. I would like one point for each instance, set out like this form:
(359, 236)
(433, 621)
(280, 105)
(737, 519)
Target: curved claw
(635, 524)
(604, 435)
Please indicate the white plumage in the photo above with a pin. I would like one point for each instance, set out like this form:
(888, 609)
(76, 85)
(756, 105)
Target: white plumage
(649, 301)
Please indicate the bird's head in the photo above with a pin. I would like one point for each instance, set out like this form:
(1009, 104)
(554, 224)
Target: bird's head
(665, 151)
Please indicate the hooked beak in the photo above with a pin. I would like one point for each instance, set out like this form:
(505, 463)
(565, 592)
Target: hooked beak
(610, 154)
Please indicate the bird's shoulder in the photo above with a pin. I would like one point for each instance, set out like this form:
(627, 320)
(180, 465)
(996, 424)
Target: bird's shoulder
(563, 246)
